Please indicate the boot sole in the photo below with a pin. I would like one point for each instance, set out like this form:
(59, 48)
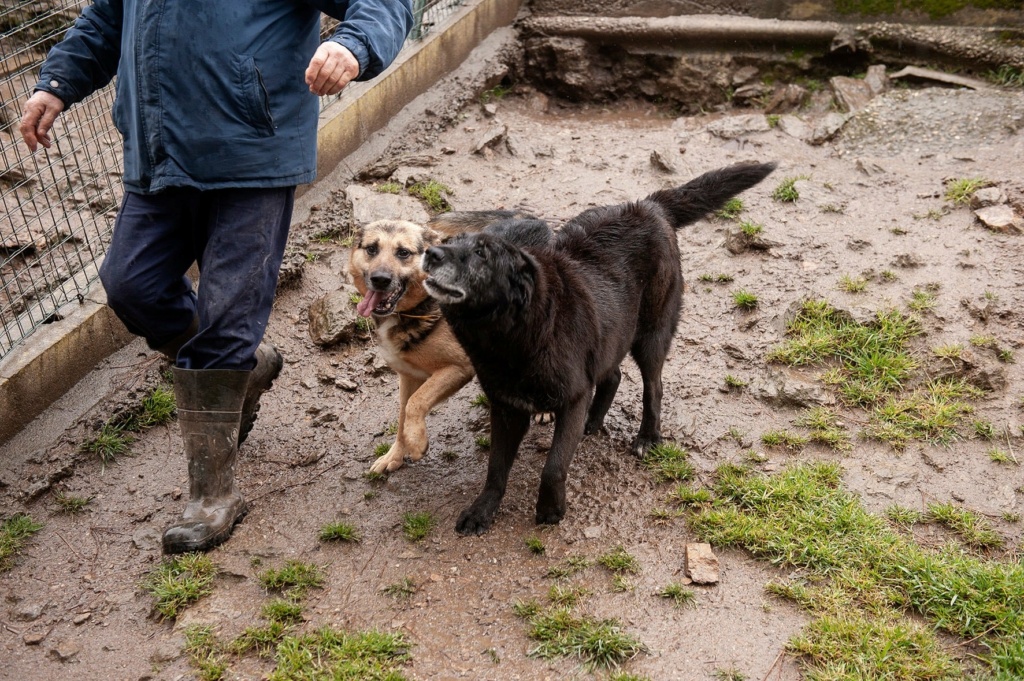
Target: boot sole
(251, 413)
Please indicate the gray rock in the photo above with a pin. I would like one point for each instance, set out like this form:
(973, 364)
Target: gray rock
(988, 196)
(290, 274)
(908, 260)
(662, 162)
(29, 612)
(701, 564)
(746, 93)
(827, 127)
(877, 79)
(999, 219)
(786, 388)
(492, 137)
(786, 99)
(165, 652)
(377, 364)
(795, 127)
(851, 94)
(744, 75)
(733, 127)
(593, 532)
(34, 638)
(332, 319)
(346, 385)
(369, 206)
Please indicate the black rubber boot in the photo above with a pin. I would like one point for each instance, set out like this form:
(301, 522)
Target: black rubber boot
(209, 414)
(268, 366)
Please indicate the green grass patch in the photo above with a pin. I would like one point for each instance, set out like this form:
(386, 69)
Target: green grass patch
(115, 437)
(179, 581)
(786, 191)
(731, 210)
(669, 462)
(380, 449)
(416, 526)
(903, 517)
(560, 632)
(960, 190)
(262, 640)
(972, 529)
(294, 578)
(205, 652)
(567, 596)
(744, 300)
(434, 194)
(931, 413)
(853, 284)
(14, 533)
(719, 278)
(345, 532)
(282, 610)
(110, 443)
(751, 229)
(859, 577)
(535, 545)
(733, 382)
(826, 428)
(688, 497)
(783, 439)
(332, 654)
(480, 401)
(388, 188)
(680, 596)
(569, 567)
(400, 590)
(483, 441)
(922, 300)
(619, 560)
(997, 455)
(70, 504)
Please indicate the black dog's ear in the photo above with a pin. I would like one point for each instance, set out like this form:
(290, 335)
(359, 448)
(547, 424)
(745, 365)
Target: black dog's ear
(523, 281)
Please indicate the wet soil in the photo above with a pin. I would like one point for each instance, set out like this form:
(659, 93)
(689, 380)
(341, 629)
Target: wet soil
(873, 203)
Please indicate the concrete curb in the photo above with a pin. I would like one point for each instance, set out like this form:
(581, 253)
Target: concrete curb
(58, 355)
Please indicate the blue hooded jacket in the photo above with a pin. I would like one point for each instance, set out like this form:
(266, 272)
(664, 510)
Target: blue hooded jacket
(212, 94)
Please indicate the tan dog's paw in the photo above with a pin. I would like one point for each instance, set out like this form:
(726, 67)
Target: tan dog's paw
(543, 418)
(390, 462)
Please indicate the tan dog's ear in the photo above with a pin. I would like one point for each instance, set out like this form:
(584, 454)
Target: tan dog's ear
(430, 237)
(357, 240)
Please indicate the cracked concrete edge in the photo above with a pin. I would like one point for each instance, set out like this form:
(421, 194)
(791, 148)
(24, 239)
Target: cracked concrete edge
(58, 355)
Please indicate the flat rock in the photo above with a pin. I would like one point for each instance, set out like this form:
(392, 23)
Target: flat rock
(332, 319)
(701, 564)
(786, 99)
(827, 127)
(492, 138)
(662, 162)
(65, 651)
(852, 94)
(369, 205)
(29, 612)
(733, 127)
(988, 196)
(795, 127)
(34, 638)
(999, 219)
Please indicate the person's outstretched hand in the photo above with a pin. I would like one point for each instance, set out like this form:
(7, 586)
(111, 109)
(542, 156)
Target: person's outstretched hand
(37, 117)
(331, 69)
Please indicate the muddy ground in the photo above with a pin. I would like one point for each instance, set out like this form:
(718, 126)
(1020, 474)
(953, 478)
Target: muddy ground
(872, 203)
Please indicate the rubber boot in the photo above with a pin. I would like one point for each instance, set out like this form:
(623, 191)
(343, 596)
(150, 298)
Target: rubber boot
(209, 414)
(268, 366)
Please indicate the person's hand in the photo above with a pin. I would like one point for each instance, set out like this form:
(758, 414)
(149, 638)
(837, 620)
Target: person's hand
(331, 69)
(37, 117)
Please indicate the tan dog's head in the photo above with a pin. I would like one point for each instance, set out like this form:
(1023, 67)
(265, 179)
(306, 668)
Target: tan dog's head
(385, 266)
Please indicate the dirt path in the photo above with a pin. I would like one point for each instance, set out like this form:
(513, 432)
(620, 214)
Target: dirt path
(872, 204)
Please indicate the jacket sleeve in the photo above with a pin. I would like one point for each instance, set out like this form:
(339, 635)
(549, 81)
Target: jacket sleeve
(86, 59)
(374, 30)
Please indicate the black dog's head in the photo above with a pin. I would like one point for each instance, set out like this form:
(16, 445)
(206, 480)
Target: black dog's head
(477, 274)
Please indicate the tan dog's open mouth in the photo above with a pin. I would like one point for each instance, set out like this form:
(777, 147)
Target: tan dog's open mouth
(380, 303)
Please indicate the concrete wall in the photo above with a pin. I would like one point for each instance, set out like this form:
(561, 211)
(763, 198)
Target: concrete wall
(58, 355)
(833, 10)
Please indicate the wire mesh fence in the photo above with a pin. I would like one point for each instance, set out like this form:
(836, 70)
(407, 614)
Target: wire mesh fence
(59, 205)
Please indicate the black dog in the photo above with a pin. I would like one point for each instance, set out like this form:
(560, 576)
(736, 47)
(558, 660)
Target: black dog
(547, 326)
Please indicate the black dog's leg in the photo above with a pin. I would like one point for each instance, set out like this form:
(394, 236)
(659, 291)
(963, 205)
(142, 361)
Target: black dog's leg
(508, 426)
(649, 354)
(602, 402)
(568, 433)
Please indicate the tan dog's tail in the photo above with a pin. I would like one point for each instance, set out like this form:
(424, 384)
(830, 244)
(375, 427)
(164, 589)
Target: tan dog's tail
(461, 222)
(709, 192)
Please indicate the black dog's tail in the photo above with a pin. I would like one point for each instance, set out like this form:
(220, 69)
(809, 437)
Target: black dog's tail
(709, 192)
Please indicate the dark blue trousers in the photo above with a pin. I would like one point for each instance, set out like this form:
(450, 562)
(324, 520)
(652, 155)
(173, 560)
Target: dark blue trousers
(237, 237)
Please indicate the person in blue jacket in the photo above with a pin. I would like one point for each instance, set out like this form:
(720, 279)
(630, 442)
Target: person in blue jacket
(217, 104)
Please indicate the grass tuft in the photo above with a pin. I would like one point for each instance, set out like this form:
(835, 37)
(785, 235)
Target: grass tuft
(339, 532)
(567, 596)
(751, 229)
(400, 590)
(680, 596)
(826, 428)
(619, 560)
(853, 284)
(745, 300)
(433, 193)
(14, 532)
(293, 579)
(69, 504)
(416, 526)
(569, 567)
(180, 581)
(560, 632)
(959, 191)
(328, 653)
(784, 439)
(786, 191)
(972, 529)
(535, 545)
(669, 462)
(731, 210)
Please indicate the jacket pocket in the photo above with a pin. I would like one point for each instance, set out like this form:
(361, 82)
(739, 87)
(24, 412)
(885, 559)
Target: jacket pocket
(255, 100)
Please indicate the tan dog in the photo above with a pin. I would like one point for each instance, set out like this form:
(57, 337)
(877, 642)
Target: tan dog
(414, 338)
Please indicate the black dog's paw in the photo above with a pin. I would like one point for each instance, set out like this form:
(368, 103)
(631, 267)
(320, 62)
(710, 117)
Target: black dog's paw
(550, 514)
(595, 427)
(474, 521)
(642, 445)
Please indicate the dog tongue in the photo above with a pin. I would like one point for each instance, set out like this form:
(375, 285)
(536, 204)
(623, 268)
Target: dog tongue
(366, 305)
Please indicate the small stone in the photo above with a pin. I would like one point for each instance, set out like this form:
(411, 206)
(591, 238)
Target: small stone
(346, 384)
(165, 652)
(491, 139)
(34, 638)
(65, 651)
(701, 564)
(29, 612)
(490, 109)
(988, 196)
(176, 493)
(82, 618)
(744, 75)
(593, 532)
(332, 319)
(662, 162)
